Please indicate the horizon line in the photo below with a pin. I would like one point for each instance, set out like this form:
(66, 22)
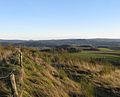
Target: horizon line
(55, 39)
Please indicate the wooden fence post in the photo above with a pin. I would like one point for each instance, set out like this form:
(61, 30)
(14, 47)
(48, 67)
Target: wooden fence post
(21, 73)
(13, 85)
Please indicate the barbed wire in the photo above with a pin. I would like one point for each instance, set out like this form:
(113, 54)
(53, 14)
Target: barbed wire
(13, 83)
(4, 77)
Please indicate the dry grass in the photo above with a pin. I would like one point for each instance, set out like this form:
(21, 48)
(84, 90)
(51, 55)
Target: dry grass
(43, 80)
(91, 67)
(112, 79)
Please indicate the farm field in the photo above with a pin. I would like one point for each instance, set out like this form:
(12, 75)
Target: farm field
(104, 55)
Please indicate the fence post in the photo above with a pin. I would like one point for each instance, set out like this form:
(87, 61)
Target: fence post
(13, 85)
(21, 73)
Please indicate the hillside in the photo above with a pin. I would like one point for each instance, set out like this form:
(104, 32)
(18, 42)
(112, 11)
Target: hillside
(83, 74)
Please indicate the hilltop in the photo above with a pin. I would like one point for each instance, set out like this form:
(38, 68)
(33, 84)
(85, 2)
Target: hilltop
(81, 74)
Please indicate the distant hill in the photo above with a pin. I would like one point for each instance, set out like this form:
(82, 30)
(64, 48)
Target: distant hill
(11, 41)
(39, 43)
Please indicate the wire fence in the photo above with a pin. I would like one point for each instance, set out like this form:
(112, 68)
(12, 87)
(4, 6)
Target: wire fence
(8, 75)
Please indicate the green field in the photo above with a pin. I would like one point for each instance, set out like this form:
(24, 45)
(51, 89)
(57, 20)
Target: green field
(104, 55)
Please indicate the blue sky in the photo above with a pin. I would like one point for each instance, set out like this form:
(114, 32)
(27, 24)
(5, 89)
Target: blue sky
(56, 19)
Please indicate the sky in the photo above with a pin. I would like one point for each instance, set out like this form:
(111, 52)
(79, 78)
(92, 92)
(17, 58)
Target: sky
(59, 19)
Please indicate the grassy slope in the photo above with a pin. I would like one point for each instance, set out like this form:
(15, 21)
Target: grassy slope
(62, 75)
